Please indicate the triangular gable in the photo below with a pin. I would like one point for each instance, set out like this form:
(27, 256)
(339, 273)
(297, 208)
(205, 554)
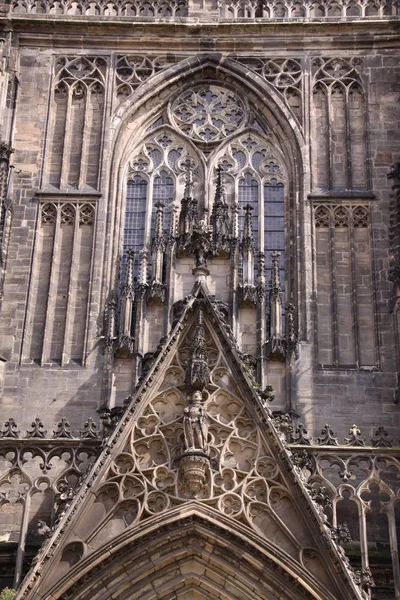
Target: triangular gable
(198, 435)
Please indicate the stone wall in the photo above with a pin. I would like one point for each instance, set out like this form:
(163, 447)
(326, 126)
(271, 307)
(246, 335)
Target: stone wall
(62, 263)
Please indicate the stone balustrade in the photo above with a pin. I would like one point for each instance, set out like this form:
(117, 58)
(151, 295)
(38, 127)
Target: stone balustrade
(263, 10)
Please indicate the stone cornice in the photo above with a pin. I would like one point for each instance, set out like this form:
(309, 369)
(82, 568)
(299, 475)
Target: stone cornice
(120, 32)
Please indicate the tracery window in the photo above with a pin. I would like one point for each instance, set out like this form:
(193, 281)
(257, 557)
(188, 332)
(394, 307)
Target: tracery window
(156, 175)
(252, 167)
(209, 127)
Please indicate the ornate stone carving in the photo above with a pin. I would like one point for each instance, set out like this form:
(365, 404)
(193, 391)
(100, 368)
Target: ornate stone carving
(64, 429)
(208, 113)
(132, 70)
(380, 439)
(331, 70)
(355, 437)
(11, 430)
(285, 74)
(219, 221)
(86, 214)
(90, 430)
(197, 370)
(37, 430)
(80, 73)
(305, 10)
(110, 325)
(394, 227)
(327, 437)
(248, 294)
(193, 468)
(228, 9)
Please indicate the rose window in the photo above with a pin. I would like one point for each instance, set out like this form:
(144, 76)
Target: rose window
(208, 113)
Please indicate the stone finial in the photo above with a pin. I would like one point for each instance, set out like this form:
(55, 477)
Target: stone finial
(275, 286)
(380, 440)
(11, 430)
(188, 191)
(125, 339)
(300, 435)
(128, 289)
(291, 341)
(261, 279)
(219, 189)
(37, 430)
(327, 437)
(156, 291)
(248, 236)
(63, 430)
(90, 430)
(110, 324)
(158, 240)
(355, 437)
(189, 229)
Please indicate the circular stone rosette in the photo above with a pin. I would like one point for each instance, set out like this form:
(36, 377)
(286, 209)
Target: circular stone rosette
(208, 113)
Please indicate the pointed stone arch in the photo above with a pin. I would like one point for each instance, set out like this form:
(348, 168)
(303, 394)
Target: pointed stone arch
(193, 549)
(131, 120)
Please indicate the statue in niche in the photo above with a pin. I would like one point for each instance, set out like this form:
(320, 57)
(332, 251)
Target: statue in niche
(195, 425)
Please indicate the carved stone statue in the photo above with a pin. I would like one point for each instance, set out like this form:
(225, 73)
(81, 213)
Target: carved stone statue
(195, 424)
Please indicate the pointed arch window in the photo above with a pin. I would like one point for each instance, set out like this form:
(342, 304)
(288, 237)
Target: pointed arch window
(156, 175)
(259, 174)
(163, 191)
(135, 215)
(248, 193)
(274, 225)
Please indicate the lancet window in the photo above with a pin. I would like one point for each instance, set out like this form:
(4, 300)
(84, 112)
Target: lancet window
(254, 175)
(156, 176)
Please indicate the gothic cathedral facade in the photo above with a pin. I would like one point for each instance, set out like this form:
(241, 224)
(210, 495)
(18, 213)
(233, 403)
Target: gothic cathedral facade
(200, 299)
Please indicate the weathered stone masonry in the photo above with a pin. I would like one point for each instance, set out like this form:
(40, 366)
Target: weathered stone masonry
(251, 148)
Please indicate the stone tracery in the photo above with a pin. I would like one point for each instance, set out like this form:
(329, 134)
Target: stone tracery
(208, 113)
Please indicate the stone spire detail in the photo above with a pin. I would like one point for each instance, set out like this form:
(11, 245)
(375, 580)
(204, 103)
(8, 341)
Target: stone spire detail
(157, 288)
(189, 213)
(275, 297)
(280, 345)
(111, 325)
(219, 220)
(127, 301)
(248, 289)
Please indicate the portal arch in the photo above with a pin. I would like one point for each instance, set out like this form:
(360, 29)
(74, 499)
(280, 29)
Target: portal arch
(194, 552)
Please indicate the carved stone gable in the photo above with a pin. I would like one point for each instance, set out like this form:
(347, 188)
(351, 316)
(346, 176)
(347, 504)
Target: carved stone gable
(208, 447)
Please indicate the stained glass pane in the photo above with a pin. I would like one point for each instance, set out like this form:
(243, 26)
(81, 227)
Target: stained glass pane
(163, 191)
(274, 228)
(135, 216)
